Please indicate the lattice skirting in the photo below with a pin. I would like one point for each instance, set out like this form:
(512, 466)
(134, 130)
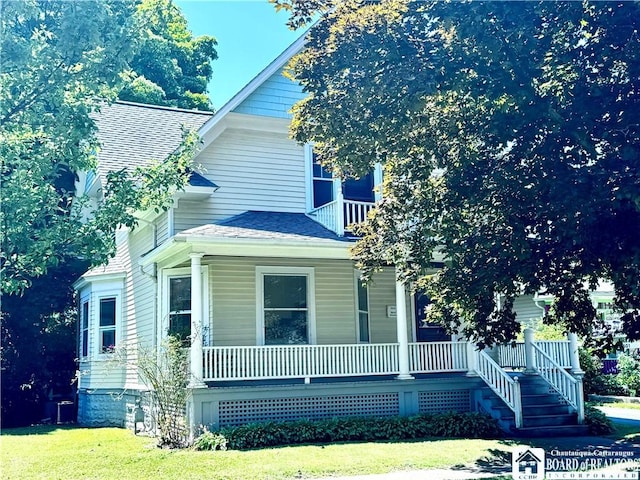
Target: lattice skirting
(444, 401)
(239, 412)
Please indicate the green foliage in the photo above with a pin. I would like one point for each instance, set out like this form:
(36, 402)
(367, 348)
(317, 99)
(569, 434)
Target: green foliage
(508, 136)
(165, 371)
(261, 435)
(37, 354)
(208, 440)
(594, 381)
(170, 66)
(597, 421)
(629, 373)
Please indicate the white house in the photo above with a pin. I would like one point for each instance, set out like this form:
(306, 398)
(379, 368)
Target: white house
(252, 264)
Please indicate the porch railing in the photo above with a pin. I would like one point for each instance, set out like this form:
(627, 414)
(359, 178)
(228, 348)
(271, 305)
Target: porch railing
(507, 388)
(340, 214)
(299, 361)
(564, 383)
(514, 356)
(314, 361)
(434, 357)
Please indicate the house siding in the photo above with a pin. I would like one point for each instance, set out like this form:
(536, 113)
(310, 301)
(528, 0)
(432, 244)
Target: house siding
(162, 228)
(273, 98)
(254, 171)
(527, 313)
(232, 316)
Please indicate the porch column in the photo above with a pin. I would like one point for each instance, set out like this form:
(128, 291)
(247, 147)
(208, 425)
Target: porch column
(574, 357)
(401, 327)
(530, 366)
(196, 321)
(339, 206)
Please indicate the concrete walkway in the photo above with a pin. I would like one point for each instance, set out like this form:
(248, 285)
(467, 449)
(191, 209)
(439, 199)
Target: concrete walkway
(501, 466)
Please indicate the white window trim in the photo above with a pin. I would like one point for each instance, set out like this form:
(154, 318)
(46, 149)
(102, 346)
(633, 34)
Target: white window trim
(356, 277)
(309, 272)
(95, 345)
(163, 324)
(85, 299)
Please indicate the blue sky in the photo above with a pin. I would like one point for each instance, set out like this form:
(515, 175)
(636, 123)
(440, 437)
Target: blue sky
(250, 35)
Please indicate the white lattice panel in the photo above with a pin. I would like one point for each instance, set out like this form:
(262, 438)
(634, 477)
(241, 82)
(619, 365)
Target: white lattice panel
(444, 401)
(238, 412)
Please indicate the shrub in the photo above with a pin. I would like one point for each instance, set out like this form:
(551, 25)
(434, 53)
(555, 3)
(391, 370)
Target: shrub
(469, 425)
(596, 382)
(597, 421)
(208, 440)
(629, 372)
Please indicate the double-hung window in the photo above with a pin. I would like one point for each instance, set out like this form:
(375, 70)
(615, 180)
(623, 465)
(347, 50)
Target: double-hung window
(84, 329)
(322, 184)
(180, 308)
(286, 308)
(107, 329)
(362, 294)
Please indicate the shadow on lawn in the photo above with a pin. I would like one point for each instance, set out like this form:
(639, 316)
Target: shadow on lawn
(38, 430)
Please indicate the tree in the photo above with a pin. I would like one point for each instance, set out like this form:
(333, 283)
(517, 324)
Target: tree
(170, 67)
(61, 62)
(509, 134)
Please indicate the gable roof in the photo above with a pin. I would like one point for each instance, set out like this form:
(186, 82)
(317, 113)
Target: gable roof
(254, 84)
(134, 134)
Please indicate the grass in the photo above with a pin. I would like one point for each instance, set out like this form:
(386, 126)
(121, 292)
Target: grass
(631, 406)
(111, 453)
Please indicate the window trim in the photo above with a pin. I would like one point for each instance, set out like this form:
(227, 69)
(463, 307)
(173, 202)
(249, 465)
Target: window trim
(309, 272)
(103, 295)
(85, 327)
(356, 280)
(181, 272)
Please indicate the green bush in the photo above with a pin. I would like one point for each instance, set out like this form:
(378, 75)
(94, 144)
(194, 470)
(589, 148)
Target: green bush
(594, 381)
(468, 425)
(597, 421)
(208, 440)
(629, 373)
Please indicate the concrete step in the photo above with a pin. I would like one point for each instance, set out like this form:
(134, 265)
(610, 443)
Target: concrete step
(552, 431)
(540, 399)
(548, 420)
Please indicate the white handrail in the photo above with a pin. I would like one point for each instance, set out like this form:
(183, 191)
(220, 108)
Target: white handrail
(513, 355)
(326, 215)
(562, 382)
(507, 388)
(356, 212)
(432, 357)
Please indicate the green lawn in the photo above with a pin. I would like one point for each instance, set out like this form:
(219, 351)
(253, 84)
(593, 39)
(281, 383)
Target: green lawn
(632, 406)
(111, 453)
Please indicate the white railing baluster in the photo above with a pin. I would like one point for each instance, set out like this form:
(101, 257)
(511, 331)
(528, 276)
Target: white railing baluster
(502, 384)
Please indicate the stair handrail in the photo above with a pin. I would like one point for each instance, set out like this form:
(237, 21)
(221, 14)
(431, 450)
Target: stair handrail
(507, 388)
(569, 387)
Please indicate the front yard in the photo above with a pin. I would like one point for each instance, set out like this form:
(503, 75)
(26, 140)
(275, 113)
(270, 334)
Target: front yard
(111, 453)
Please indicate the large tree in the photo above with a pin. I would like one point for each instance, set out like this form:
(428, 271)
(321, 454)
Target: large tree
(60, 61)
(170, 66)
(509, 133)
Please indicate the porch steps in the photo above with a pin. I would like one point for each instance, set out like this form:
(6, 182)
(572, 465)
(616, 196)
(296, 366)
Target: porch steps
(544, 412)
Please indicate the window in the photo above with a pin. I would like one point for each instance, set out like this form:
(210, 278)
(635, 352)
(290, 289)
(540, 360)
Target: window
(180, 308)
(359, 190)
(107, 331)
(362, 294)
(84, 329)
(285, 305)
(322, 184)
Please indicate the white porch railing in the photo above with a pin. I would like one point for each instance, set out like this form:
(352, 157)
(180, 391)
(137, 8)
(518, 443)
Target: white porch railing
(340, 214)
(432, 357)
(514, 356)
(299, 361)
(507, 388)
(313, 361)
(564, 383)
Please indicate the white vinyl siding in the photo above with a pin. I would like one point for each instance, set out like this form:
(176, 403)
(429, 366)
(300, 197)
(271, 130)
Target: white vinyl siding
(527, 313)
(255, 171)
(274, 98)
(233, 299)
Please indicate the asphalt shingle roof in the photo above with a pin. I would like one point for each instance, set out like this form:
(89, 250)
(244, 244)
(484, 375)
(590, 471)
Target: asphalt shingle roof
(267, 226)
(133, 134)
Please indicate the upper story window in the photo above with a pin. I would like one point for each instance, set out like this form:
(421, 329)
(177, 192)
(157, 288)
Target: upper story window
(322, 184)
(107, 329)
(180, 308)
